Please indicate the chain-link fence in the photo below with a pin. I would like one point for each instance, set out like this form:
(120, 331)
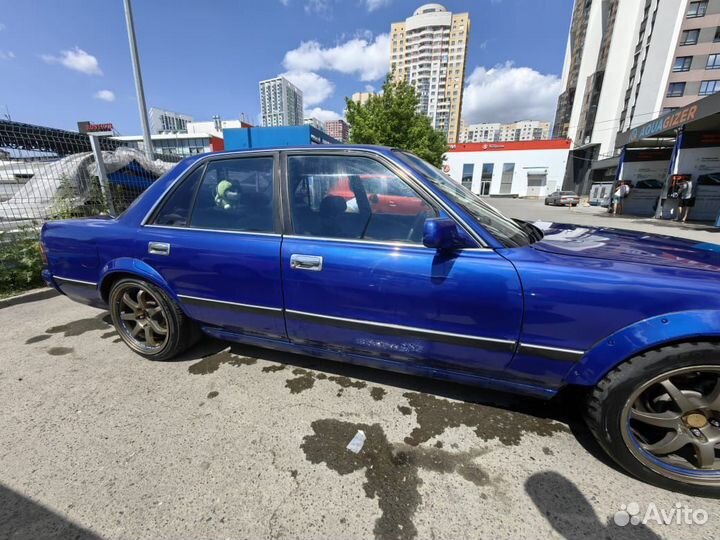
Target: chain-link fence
(48, 174)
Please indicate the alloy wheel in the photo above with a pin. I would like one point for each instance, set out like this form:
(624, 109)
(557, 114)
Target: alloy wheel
(141, 319)
(672, 424)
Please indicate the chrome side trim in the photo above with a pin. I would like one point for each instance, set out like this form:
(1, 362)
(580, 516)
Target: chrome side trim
(224, 302)
(546, 348)
(372, 242)
(551, 353)
(401, 327)
(78, 281)
(225, 231)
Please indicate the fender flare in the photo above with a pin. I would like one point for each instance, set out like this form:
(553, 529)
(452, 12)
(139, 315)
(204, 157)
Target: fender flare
(642, 336)
(135, 267)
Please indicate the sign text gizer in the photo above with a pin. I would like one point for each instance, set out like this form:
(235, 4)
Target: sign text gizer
(99, 127)
(670, 121)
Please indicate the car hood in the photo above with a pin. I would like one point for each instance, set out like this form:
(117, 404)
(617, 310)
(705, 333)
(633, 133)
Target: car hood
(628, 246)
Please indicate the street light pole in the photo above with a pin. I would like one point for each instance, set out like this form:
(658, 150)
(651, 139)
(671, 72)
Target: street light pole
(138, 80)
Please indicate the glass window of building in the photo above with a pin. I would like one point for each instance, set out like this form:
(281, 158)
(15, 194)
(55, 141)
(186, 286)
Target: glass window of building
(682, 63)
(713, 61)
(676, 89)
(467, 175)
(709, 87)
(697, 9)
(690, 37)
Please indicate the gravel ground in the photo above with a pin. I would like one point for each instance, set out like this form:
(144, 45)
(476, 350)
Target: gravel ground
(236, 442)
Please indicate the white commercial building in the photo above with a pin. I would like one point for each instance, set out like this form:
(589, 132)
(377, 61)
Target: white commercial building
(428, 50)
(523, 130)
(214, 127)
(164, 121)
(521, 169)
(281, 103)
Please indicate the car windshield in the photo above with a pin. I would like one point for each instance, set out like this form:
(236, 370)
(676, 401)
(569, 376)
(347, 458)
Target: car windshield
(512, 233)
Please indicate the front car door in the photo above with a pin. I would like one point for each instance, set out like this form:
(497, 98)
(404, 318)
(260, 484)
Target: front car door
(361, 281)
(215, 239)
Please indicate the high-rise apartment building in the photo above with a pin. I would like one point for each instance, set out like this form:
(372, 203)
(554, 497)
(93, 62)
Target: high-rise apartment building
(695, 66)
(338, 129)
(524, 130)
(428, 50)
(628, 61)
(281, 103)
(361, 98)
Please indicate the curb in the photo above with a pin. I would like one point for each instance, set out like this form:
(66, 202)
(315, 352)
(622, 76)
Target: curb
(34, 295)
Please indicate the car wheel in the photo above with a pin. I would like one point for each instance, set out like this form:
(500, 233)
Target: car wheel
(148, 321)
(547, 203)
(658, 416)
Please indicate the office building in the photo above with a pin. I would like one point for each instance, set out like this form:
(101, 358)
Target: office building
(176, 144)
(428, 50)
(338, 129)
(627, 62)
(164, 121)
(524, 130)
(281, 103)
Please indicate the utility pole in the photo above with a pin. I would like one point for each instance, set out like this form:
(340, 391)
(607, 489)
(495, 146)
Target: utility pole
(138, 80)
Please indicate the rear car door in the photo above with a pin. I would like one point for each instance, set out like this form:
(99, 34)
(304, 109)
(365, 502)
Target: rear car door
(361, 281)
(215, 239)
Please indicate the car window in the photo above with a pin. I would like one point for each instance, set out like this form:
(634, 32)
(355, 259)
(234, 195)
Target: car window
(176, 208)
(355, 198)
(236, 195)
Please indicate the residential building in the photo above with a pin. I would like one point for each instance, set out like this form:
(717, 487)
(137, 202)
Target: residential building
(314, 122)
(428, 50)
(338, 129)
(523, 130)
(695, 66)
(646, 44)
(362, 98)
(281, 103)
(516, 168)
(164, 121)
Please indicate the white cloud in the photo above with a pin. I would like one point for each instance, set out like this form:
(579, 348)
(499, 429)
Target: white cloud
(75, 59)
(321, 114)
(320, 7)
(506, 93)
(372, 5)
(105, 95)
(284, 2)
(360, 56)
(7, 55)
(369, 88)
(315, 88)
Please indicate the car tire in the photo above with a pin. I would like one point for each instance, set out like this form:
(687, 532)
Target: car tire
(150, 322)
(547, 203)
(622, 397)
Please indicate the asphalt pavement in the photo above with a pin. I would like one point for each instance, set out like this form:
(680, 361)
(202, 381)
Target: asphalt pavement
(237, 442)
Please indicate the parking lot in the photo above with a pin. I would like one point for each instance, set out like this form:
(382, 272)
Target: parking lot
(237, 442)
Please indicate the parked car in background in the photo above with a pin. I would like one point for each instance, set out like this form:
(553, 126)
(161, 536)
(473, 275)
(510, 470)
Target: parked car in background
(562, 198)
(629, 322)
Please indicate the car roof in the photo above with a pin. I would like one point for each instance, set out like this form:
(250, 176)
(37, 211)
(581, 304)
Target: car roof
(307, 148)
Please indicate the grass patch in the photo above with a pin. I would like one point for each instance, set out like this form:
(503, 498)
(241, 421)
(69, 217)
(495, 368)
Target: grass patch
(20, 266)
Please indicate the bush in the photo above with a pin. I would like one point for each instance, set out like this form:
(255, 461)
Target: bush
(20, 266)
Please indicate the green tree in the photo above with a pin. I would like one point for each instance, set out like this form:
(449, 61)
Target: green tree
(391, 119)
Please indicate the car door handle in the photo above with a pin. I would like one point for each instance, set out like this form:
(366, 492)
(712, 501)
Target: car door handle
(158, 248)
(306, 262)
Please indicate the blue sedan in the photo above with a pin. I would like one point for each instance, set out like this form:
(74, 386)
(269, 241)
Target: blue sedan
(372, 256)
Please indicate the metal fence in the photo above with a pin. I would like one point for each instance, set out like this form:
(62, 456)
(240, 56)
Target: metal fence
(48, 174)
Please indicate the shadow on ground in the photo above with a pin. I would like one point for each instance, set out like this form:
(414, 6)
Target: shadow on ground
(22, 518)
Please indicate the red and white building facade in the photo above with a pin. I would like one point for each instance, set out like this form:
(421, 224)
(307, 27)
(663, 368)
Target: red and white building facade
(509, 169)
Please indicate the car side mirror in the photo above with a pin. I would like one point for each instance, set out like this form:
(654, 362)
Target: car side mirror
(442, 234)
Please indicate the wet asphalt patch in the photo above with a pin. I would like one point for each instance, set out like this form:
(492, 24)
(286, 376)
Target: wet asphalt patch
(210, 364)
(391, 469)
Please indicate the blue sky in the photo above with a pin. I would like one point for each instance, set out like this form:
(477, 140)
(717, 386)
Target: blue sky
(61, 62)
